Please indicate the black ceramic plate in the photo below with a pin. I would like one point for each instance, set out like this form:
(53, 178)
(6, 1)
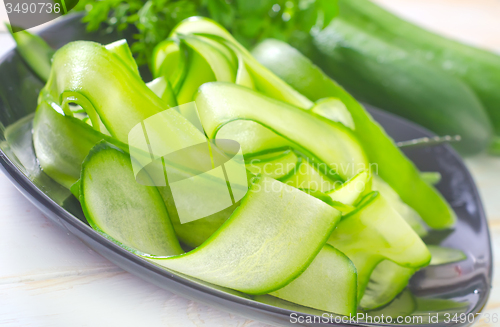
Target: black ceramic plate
(467, 282)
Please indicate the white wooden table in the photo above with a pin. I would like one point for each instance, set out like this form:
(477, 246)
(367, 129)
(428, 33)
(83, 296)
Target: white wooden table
(49, 278)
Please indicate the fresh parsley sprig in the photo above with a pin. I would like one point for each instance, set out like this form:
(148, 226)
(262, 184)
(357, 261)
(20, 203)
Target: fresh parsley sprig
(249, 20)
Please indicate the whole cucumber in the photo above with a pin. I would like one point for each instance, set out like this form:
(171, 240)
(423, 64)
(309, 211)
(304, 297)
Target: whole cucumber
(389, 77)
(480, 69)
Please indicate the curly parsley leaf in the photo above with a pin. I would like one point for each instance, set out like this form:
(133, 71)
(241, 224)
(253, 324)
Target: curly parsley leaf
(249, 21)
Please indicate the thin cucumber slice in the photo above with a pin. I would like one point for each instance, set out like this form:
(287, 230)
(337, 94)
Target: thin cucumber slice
(335, 110)
(394, 167)
(275, 167)
(343, 208)
(218, 62)
(351, 191)
(61, 143)
(198, 73)
(117, 95)
(329, 142)
(271, 85)
(194, 233)
(442, 255)
(243, 77)
(35, 51)
(114, 203)
(264, 80)
(407, 212)
(373, 232)
(386, 282)
(229, 54)
(170, 61)
(253, 137)
(75, 189)
(277, 216)
(162, 88)
(305, 176)
(328, 284)
(121, 49)
(431, 177)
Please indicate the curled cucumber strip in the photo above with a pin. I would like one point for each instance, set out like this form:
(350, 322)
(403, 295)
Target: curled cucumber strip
(328, 284)
(386, 282)
(276, 214)
(62, 142)
(327, 142)
(374, 232)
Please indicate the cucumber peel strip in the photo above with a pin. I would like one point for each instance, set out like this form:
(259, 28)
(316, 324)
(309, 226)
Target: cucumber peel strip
(329, 284)
(374, 232)
(393, 166)
(266, 262)
(113, 201)
(331, 143)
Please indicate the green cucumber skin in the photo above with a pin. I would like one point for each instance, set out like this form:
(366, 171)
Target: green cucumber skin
(114, 203)
(386, 282)
(61, 143)
(321, 139)
(393, 166)
(264, 213)
(392, 79)
(480, 69)
(373, 232)
(329, 284)
(35, 51)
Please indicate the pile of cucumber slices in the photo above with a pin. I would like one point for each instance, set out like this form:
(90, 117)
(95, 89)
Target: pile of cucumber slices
(334, 214)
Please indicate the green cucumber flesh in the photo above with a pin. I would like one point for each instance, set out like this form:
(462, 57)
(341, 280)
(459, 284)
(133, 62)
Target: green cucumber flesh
(264, 80)
(373, 232)
(393, 166)
(331, 143)
(335, 110)
(443, 255)
(78, 67)
(198, 72)
(35, 52)
(163, 89)
(170, 61)
(271, 258)
(351, 191)
(275, 167)
(328, 284)
(409, 215)
(386, 281)
(305, 176)
(253, 137)
(121, 49)
(114, 203)
(276, 214)
(218, 62)
(61, 143)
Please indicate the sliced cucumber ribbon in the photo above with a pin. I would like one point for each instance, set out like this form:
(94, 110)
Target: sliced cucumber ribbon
(275, 214)
(374, 232)
(397, 170)
(328, 142)
(271, 240)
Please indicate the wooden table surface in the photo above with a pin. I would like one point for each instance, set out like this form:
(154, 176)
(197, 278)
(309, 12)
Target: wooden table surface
(50, 278)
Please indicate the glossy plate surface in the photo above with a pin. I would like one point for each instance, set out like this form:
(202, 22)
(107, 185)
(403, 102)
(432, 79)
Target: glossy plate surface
(466, 282)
